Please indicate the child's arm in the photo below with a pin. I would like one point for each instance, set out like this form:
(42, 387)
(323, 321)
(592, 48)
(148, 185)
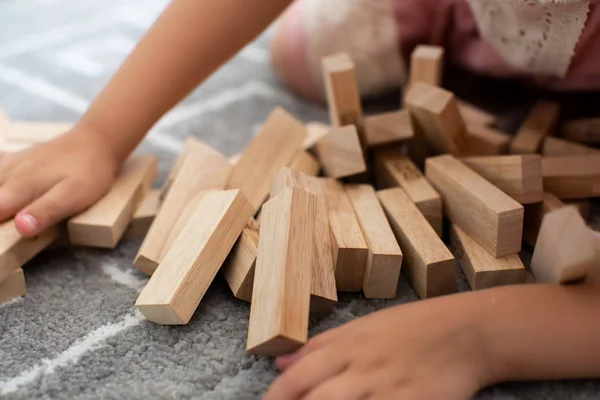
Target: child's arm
(188, 42)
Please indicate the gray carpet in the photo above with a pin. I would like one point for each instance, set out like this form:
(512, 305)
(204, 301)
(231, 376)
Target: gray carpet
(76, 335)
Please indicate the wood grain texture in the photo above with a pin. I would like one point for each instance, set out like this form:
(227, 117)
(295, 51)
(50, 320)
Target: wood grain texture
(282, 283)
(428, 264)
(203, 169)
(178, 285)
(556, 147)
(486, 141)
(191, 145)
(104, 223)
(481, 268)
(475, 116)
(144, 215)
(572, 177)
(340, 153)
(13, 286)
(385, 257)
(540, 122)
(307, 164)
(534, 213)
(240, 265)
(427, 65)
(476, 206)
(388, 128)
(585, 130)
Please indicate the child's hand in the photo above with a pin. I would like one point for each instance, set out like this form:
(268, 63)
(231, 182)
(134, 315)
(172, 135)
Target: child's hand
(49, 182)
(418, 351)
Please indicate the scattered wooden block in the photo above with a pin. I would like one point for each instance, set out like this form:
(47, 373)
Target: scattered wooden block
(314, 132)
(395, 169)
(481, 268)
(586, 130)
(534, 213)
(475, 116)
(428, 264)
(350, 251)
(144, 215)
(485, 141)
(273, 148)
(240, 265)
(203, 169)
(178, 285)
(540, 122)
(476, 206)
(564, 251)
(104, 223)
(436, 115)
(281, 295)
(427, 65)
(340, 154)
(572, 177)
(555, 147)
(34, 132)
(304, 162)
(520, 177)
(388, 128)
(191, 143)
(385, 257)
(13, 286)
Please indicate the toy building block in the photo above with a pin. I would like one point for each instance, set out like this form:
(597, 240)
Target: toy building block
(104, 223)
(277, 143)
(520, 176)
(481, 268)
(203, 169)
(178, 285)
(307, 164)
(485, 141)
(340, 153)
(555, 147)
(13, 286)
(144, 215)
(385, 257)
(240, 265)
(282, 282)
(476, 206)
(395, 169)
(191, 143)
(34, 132)
(539, 123)
(427, 65)
(572, 177)
(475, 116)
(428, 264)
(388, 128)
(564, 251)
(314, 132)
(586, 130)
(534, 213)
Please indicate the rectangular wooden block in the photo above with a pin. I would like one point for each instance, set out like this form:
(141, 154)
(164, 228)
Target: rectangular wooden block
(476, 206)
(555, 147)
(475, 116)
(340, 153)
(572, 177)
(585, 130)
(385, 257)
(395, 169)
(427, 65)
(240, 265)
(13, 286)
(481, 268)
(564, 251)
(485, 141)
(520, 177)
(104, 223)
(191, 145)
(314, 132)
(282, 282)
(34, 132)
(388, 128)
(341, 87)
(144, 215)
(428, 264)
(534, 213)
(436, 115)
(307, 164)
(178, 285)
(203, 169)
(279, 140)
(539, 123)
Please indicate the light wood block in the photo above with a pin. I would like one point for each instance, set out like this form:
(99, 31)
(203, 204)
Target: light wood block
(385, 257)
(350, 250)
(564, 251)
(314, 132)
(281, 295)
(104, 223)
(34, 132)
(240, 265)
(572, 177)
(534, 213)
(476, 206)
(555, 147)
(388, 128)
(436, 115)
(395, 169)
(144, 215)
(273, 148)
(428, 264)
(427, 65)
(13, 286)
(178, 285)
(586, 130)
(539, 123)
(481, 268)
(485, 141)
(520, 177)
(307, 164)
(475, 116)
(191, 143)
(203, 169)
(340, 153)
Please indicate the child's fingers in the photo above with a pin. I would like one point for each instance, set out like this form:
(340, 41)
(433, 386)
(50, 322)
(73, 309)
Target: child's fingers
(315, 343)
(14, 196)
(341, 387)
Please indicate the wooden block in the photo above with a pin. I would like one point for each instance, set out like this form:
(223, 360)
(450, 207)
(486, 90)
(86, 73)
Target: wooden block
(13, 286)
(281, 294)
(314, 132)
(34, 132)
(475, 116)
(178, 285)
(428, 264)
(395, 169)
(485, 141)
(104, 223)
(274, 147)
(340, 153)
(586, 130)
(385, 257)
(203, 169)
(481, 268)
(191, 143)
(564, 251)
(539, 123)
(520, 177)
(240, 265)
(555, 147)
(388, 128)
(427, 65)
(144, 215)
(534, 213)
(304, 162)
(350, 251)
(572, 177)
(436, 115)
(476, 206)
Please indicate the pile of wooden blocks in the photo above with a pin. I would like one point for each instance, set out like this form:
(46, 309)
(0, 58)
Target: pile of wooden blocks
(288, 240)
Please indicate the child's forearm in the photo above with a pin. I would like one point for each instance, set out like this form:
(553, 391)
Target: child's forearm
(189, 41)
